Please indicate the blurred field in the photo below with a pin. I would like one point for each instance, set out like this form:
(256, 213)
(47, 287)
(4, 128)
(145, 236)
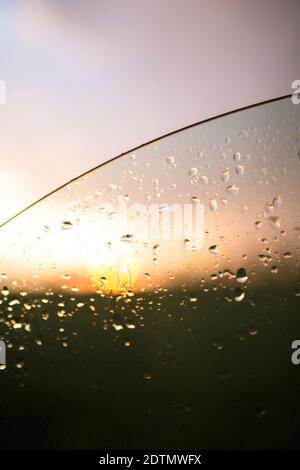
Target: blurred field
(208, 375)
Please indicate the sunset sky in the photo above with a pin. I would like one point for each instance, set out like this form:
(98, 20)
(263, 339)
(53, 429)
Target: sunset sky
(242, 168)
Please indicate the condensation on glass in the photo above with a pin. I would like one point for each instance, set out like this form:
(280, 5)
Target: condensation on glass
(112, 297)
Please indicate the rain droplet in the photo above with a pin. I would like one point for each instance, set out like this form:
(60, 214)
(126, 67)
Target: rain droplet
(233, 189)
(126, 198)
(274, 222)
(297, 231)
(187, 244)
(170, 160)
(193, 171)
(203, 179)
(156, 249)
(214, 249)
(240, 170)
(5, 291)
(128, 237)
(163, 208)
(297, 292)
(111, 215)
(195, 199)
(241, 275)
(253, 332)
(239, 294)
(225, 175)
(268, 209)
(258, 224)
(277, 202)
(66, 225)
(262, 411)
(236, 156)
(217, 344)
(213, 205)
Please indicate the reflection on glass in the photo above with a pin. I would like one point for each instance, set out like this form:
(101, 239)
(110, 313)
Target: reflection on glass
(152, 303)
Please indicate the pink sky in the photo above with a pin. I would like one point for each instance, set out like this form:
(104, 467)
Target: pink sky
(89, 80)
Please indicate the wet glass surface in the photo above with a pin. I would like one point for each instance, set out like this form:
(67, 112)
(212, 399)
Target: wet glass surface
(169, 329)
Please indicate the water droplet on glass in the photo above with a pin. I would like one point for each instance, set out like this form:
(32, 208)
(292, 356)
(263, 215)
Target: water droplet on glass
(66, 225)
(203, 179)
(126, 198)
(239, 294)
(5, 291)
(253, 331)
(258, 224)
(274, 222)
(232, 189)
(128, 237)
(187, 244)
(117, 327)
(193, 171)
(163, 208)
(195, 199)
(297, 292)
(156, 249)
(170, 160)
(225, 175)
(213, 205)
(262, 411)
(236, 156)
(240, 170)
(241, 275)
(268, 209)
(277, 202)
(217, 344)
(214, 249)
